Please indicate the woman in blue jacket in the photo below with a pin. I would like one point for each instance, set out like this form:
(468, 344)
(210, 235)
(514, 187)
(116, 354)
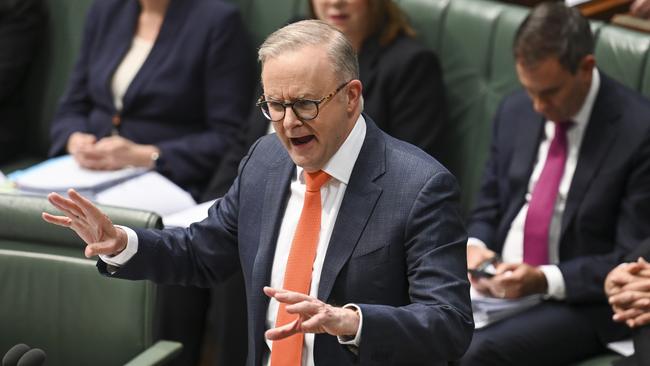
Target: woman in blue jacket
(158, 83)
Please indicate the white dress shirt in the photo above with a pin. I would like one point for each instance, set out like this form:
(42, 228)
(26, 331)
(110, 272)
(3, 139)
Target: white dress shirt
(339, 167)
(513, 247)
(128, 68)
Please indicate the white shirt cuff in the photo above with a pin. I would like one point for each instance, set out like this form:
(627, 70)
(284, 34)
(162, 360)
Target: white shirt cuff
(476, 242)
(128, 252)
(354, 342)
(556, 287)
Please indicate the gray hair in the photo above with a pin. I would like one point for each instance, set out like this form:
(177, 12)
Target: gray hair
(313, 33)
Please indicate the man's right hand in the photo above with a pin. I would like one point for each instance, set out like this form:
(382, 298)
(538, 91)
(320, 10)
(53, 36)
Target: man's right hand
(476, 255)
(78, 141)
(91, 224)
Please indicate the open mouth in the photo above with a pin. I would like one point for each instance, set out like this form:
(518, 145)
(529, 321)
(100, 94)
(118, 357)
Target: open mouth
(301, 140)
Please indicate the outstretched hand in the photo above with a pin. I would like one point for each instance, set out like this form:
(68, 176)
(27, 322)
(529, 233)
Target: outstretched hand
(315, 316)
(91, 224)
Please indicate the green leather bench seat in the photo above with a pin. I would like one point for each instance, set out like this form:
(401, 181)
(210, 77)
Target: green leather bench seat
(60, 304)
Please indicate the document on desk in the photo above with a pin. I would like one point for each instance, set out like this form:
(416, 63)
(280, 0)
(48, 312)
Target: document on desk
(575, 2)
(150, 191)
(488, 310)
(188, 216)
(61, 173)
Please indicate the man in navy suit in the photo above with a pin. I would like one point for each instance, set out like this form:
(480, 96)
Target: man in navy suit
(564, 196)
(388, 283)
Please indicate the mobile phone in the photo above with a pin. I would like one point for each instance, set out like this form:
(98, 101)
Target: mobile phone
(487, 268)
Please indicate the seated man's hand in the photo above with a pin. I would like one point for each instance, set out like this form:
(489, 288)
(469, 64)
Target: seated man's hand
(115, 152)
(92, 225)
(515, 280)
(641, 8)
(475, 256)
(78, 141)
(628, 288)
(314, 316)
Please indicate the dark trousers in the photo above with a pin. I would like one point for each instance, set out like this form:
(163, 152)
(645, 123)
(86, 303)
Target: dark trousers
(551, 333)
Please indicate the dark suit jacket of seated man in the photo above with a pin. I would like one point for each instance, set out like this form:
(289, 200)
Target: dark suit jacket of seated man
(397, 250)
(600, 210)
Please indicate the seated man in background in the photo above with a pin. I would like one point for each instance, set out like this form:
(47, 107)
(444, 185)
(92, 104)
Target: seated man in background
(628, 288)
(563, 196)
(21, 25)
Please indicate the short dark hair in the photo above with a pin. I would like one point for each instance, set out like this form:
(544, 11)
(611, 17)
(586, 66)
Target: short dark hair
(554, 30)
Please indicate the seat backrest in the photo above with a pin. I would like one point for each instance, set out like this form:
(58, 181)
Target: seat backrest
(54, 60)
(22, 228)
(63, 306)
(55, 299)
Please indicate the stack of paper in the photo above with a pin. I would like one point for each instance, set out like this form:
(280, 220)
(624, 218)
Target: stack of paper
(488, 310)
(188, 216)
(60, 174)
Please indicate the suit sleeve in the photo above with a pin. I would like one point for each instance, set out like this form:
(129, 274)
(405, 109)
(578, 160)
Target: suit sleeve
(584, 276)
(76, 103)
(228, 86)
(437, 325)
(487, 212)
(417, 102)
(201, 255)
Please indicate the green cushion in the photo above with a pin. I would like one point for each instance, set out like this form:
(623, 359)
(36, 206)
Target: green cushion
(621, 53)
(62, 305)
(21, 221)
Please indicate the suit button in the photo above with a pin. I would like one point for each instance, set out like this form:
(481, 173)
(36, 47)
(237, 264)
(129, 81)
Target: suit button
(116, 120)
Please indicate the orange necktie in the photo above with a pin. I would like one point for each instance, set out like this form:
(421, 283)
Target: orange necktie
(297, 275)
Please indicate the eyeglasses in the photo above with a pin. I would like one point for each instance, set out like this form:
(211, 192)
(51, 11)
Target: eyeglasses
(304, 109)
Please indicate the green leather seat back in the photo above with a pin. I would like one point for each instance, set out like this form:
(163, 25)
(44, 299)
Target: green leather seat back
(62, 305)
(52, 65)
(473, 40)
(264, 16)
(21, 225)
(623, 55)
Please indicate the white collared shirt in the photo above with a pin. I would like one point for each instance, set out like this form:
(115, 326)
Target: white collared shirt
(513, 248)
(339, 167)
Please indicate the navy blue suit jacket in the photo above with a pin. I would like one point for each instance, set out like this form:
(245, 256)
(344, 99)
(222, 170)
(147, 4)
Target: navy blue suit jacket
(189, 98)
(397, 250)
(608, 204)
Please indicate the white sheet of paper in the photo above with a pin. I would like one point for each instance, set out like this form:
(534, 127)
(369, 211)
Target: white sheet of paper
(150, 191)
(624, 347)
(575, 2)
(488, 310)
(186, 217)
(59, 174)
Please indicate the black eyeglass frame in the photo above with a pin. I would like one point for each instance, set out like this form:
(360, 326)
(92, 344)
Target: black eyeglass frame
(261, 102)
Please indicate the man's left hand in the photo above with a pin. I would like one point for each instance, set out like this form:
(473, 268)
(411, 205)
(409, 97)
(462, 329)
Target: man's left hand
(315, 316)
(515, 280)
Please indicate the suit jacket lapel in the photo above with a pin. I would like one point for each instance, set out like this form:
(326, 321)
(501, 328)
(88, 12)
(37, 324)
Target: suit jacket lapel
(359, 201)
(599, 136)
(119, 43)
(273, 205)
(527, 138)
(164, 44)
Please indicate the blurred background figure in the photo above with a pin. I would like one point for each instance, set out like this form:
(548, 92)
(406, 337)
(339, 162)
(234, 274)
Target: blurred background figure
(403, 93)
(159, 83)
(21, 25)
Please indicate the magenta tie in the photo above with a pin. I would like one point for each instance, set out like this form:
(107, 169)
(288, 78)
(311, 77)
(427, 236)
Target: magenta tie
(542, 203)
